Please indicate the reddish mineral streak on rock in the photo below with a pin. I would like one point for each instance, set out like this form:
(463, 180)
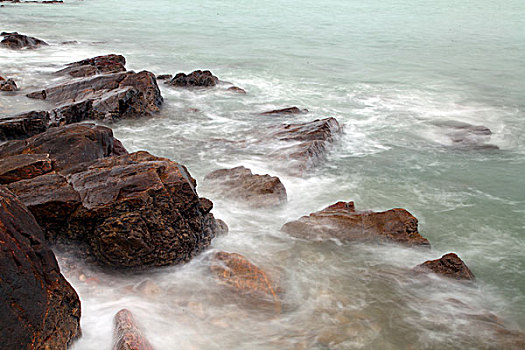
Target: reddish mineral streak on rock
(235, 271)
(255, 190)
(38, 307)
(341, 221)
(449, 265)
(127, 334)
(24, 166)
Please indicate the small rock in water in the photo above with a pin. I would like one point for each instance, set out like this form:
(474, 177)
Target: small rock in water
(196, 78)
(341, 221)
(255, 190)
(7, 85)
(449, 265)
(18, 41)
(237, 90)
(289, 110)
(127, 334)
(164, 76)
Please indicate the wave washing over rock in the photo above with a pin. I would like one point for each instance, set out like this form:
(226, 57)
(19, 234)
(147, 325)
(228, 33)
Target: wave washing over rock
(275, 118)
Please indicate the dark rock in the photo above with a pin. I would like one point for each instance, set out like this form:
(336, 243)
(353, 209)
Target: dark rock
(449, 265)
(24, 166)
(23, 125)
(104, 97)
(67, 146)
(18, 41)
(196, 78)
(38, 308)
(118, 148)
(164, 76)
(255, 190)
(131, 211)
(465, 135)
(8, 85)
(340, 221)
(96, 65)
(305, 143)
(127, 334)
(237, 90)
(289, 110)
(239, 274)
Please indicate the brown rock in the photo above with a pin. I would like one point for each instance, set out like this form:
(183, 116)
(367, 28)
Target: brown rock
(236, 272)
(449, 265)
(341, 221)
(196, 78)
(127, 335)
(19, 41)
(255, 190)
(38, 308)
(96, 65)
(237, 89)
(23, 125)
(24, 166)
(289, 110)
(8, 85)
(164, 76)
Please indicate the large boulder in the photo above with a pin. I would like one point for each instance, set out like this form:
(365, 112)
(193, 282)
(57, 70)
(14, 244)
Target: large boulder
(103, 97)
(19, 41)
(38, 307)
(255, 190)
(131, 211)
(304, 145)
(342, 222)
(238, 273)
(127, 334)
(97, 65)
(196, 78)
(449, 265)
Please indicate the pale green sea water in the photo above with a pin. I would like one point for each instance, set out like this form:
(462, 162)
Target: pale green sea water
(395, 74)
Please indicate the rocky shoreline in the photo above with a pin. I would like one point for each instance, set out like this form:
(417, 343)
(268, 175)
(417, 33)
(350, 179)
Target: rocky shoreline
(69, 183)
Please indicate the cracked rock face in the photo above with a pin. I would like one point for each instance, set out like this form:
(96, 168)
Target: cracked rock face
(39, 309)
(341, 221)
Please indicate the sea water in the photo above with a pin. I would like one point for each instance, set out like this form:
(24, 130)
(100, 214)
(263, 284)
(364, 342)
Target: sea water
(400, 76)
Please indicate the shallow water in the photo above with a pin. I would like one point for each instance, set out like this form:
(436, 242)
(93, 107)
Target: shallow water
(399, 77)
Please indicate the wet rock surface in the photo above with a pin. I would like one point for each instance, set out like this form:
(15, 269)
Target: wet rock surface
(19, 41)
(288, 110)
(196, 78)
(449, 265)
(7, 85)
(237, 90)
(131, 211)
(127, 334)
(255, 190)
(24, 166)
(96, 65)
(38, 308)
(239, 274)
(23, 125)
(342, 222)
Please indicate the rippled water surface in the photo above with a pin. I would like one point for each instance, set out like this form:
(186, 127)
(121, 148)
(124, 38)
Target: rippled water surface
(400, 76)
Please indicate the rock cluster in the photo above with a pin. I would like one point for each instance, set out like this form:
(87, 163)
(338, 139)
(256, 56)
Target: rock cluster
(255, 190)
(38, 308)
(18, 41)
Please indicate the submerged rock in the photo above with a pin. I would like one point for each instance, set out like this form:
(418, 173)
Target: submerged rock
(96, 65)
(255, 190)
(38, 308)
(103, 97)
(196, 78)
(130, 211)
(236, 89)
(449, 265)
(236, 272)
(466, 136)
(127, 334)
(19, 41)
(342, 222)
(289, 110)
(305, 144)
(7, 85)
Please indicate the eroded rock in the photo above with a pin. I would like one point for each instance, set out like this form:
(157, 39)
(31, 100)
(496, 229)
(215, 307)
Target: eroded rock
(342, 222)
(449, 265)
(127, 334)
(196, 78)
(19, 41)
(255, 190)
(236, 272)
(24, 166)
(38, 308)
(96, 65)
